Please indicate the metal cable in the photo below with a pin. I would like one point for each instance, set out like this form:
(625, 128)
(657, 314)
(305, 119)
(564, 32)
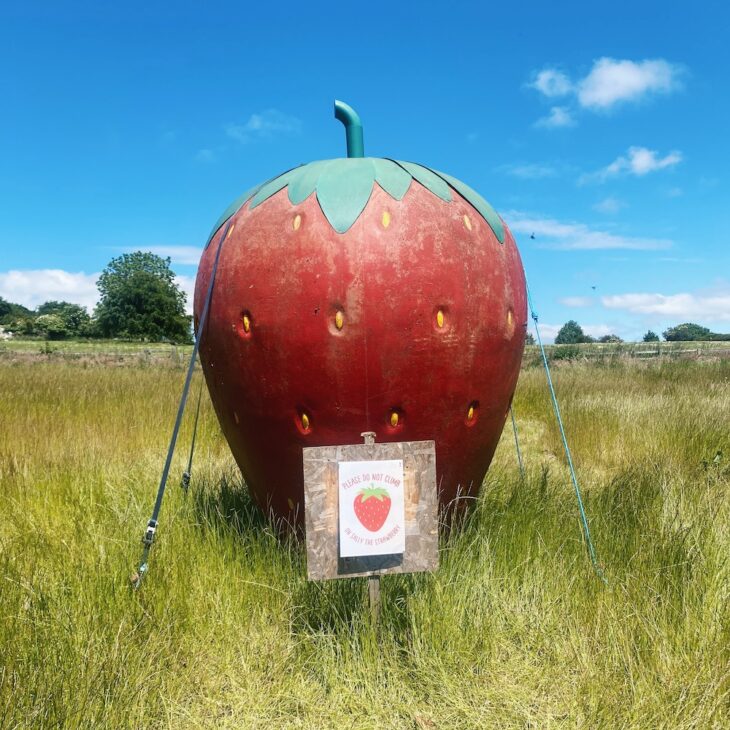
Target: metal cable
(187, 474)
(574, 478)
(149, 535)
(517, 444)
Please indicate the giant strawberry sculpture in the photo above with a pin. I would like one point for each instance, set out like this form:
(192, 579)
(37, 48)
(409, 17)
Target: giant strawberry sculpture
(360, 294)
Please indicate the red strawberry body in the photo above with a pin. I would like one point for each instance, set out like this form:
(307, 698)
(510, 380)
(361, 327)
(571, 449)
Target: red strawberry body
(372, 507)
(411, 324)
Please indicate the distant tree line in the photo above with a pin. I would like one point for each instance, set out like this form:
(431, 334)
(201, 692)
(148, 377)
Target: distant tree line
(139, 300)
(690, 332)
(571, 333)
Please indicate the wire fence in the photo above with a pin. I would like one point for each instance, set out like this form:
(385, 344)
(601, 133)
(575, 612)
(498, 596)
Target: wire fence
(629, 350)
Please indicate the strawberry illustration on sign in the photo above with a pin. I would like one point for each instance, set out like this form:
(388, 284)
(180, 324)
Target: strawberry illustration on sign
(372, 505)
(373, 522)
(360, 294)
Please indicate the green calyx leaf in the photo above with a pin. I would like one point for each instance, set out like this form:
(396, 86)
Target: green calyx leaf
(478, 203)
(343, 188)
(238, 203)
(271, 187)
(432, 182)
(392, 178)
(230, 211)
(305, 183)
(374, 492)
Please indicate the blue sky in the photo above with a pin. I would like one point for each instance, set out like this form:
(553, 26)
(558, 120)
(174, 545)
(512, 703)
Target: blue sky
(599, 128)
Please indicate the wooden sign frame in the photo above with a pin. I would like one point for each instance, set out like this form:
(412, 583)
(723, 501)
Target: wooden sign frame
(321, 495)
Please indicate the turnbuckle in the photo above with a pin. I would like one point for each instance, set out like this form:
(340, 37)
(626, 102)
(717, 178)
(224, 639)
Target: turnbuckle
(149, 534)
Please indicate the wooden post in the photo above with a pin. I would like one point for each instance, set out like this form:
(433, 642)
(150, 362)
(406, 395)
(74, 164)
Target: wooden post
(368, 437)
(374, 594)
(373, 580)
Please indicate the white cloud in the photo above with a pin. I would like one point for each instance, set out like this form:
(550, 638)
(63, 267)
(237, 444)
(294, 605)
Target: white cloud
(529, 171)
(686, 306)
(552, 83)
(550, 233)
(187, 284)
(638, 161)
(265, 124)
(577, 301)
(181, 255)
(31, 287)
(598, 330)
(548, 331)
(609, 83)
(609, 205)
(612, 81)
(642, 160)
(559, 116)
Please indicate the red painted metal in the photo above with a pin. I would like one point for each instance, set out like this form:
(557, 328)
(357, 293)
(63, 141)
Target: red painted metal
(290, 278)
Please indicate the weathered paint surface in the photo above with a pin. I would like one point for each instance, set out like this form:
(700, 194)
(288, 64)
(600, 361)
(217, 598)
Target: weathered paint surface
(321, 501)
(289, 272)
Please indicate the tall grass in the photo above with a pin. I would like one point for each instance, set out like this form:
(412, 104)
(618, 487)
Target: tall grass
(513, 631)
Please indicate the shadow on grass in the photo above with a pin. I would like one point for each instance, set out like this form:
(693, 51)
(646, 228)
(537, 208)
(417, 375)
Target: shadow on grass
(225, 506)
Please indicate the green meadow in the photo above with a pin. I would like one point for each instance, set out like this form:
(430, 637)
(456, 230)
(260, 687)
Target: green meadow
(514, 631)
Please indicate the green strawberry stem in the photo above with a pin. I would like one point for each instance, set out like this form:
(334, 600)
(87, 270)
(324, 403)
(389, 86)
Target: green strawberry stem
(372, 491)
(353, 128)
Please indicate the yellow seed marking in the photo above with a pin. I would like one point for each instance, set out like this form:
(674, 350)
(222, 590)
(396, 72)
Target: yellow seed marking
(470, 414)
(246, 323)
(305, 421)
(394, 419)
(230, 230)
(339, 319)
(290, 503)
(440, 318)
(296, 222)
(467, 222)
(386, 219)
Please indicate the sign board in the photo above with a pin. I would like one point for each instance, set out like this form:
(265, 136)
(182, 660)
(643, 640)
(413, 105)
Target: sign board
(385, 495)
(371, 508)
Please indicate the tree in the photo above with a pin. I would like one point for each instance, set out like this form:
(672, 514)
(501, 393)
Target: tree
(10, 312)
(75, 318)
(51, 326)
(651, 336)
(571, 333)
(529, 339)
(687, 332)
(140, 300)
(610, 339)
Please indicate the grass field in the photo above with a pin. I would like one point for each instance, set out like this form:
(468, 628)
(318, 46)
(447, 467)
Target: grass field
(513, 631)
(117, 351)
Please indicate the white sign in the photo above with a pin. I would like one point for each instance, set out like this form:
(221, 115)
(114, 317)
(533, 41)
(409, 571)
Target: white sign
(372, 508)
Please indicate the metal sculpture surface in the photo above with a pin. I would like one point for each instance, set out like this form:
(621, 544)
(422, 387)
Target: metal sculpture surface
(361, 294)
